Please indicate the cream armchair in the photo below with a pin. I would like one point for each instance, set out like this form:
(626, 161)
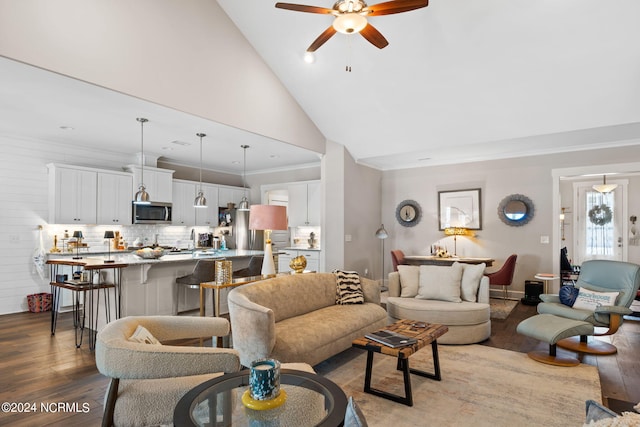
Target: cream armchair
(148, 380)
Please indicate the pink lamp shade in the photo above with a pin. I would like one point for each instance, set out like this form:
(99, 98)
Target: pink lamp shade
(267, 217)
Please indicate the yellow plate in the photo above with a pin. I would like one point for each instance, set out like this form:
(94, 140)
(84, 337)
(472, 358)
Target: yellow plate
(260, 405)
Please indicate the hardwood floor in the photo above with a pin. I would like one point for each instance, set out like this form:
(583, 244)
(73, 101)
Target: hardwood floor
(38, 368)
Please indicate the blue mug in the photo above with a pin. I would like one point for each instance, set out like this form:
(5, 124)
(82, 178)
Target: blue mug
(264, 379)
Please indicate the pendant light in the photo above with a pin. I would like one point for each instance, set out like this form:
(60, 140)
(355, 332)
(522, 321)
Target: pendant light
(141, 197)
(604, 187)
(244, 203)
(200, 201)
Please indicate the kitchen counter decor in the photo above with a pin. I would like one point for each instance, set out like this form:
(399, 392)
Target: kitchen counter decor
(150, 253)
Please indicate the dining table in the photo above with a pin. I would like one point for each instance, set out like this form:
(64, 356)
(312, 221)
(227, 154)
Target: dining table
(435, 260)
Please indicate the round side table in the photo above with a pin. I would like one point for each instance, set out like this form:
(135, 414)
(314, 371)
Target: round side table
(546, 278)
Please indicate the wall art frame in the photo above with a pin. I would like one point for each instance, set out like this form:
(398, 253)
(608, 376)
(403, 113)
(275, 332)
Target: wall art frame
(460, 208)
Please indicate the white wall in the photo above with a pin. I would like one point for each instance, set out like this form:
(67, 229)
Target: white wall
(497, 179)
(186, 54)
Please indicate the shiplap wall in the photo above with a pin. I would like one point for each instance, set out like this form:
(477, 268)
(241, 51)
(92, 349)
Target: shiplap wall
(24, 206)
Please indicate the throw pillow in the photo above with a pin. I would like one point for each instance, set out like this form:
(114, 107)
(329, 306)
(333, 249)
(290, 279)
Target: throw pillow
(590, 300)
(409, 280)
(348, 288)
(568, 294)
(440, 283)
(597, 412)
(354, 416)
(143, 336)
(471, 276)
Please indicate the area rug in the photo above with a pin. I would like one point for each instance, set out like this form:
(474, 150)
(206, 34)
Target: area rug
(500, 308)
(481, 386)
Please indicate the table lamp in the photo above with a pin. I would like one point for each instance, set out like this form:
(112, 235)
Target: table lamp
(109, 235)
(267, 218)
(455, 232)
(78, 235)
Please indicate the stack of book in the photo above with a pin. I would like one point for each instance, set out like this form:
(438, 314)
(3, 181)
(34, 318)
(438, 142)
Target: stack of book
(390, 338)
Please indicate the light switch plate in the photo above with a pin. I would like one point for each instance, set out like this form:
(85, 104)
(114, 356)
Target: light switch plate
(347, 237)
(544, 239)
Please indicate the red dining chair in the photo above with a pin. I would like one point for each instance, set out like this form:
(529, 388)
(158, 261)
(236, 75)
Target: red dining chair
(397, 257)
(504, 276)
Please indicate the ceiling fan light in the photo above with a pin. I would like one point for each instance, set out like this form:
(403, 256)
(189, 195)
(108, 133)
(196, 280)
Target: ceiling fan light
(349, 23)
(309, 57)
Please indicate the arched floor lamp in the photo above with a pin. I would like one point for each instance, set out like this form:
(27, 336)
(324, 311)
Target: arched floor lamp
(382, 234)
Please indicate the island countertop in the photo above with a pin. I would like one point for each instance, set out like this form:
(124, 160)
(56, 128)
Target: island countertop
(131, 259)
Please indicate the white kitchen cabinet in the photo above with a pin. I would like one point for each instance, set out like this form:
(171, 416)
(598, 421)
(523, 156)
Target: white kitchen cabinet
(304, 204)
(158, 182)
(230, 195)
(208, 216)
(286, 255)
(72, 194)
(183, 212)
(114, 198)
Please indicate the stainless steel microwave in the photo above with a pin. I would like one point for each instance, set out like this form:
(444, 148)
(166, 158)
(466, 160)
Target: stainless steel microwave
(152, 213)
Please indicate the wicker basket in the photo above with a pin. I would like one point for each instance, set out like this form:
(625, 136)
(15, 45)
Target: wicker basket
(39, 302)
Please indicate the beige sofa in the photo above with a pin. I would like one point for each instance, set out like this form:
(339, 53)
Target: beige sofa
(428, 293)
(294, 318)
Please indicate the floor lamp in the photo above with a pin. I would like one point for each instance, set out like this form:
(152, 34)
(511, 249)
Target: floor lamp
(382, 234)
(267, 218)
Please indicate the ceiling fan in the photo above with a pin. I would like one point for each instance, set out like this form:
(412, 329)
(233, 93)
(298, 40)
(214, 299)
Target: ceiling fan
(351, 17)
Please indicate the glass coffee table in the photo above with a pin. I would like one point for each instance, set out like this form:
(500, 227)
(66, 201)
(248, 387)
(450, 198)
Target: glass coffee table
(312, 400)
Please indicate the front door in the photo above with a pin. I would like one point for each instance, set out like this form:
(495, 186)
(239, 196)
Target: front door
(600, 226)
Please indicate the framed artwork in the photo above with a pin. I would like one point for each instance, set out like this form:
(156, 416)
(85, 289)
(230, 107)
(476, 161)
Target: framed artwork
(460, 208)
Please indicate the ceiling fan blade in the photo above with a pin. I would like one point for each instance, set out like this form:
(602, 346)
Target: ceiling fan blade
(322, 38)
(395, 6)
(374, 36)
(303, 8)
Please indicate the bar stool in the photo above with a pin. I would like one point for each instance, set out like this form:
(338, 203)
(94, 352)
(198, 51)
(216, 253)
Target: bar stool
(204, 271)
(253, 269)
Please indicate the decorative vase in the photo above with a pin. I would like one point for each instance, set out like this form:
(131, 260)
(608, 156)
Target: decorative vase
(298, 264)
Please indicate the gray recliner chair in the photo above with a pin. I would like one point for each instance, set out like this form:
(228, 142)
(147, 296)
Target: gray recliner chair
(599, 276)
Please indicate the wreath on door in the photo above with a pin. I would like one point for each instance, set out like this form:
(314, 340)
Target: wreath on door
(600, 214)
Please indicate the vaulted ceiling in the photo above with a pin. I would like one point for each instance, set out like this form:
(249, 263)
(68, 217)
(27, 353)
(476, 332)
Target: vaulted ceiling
(461, 80)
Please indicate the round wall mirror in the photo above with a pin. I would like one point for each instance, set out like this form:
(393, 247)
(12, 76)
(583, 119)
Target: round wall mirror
(515, 210)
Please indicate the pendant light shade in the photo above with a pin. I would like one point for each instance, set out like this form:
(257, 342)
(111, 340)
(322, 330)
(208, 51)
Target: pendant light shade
(244, 203)
(604, 187)
(200, 201)
(142, 197)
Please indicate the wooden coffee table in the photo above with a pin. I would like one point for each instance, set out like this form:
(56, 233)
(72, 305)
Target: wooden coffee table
(423, 335)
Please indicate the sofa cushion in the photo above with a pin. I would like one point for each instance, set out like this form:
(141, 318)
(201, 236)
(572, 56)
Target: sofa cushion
(470, 282)
(440, 283)
(441, 312)
(321, 333)
(409, 280)
(348, 288)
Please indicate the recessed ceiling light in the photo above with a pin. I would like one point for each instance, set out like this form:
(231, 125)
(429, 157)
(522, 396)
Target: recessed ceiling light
(273, 156)
(235, 162)
(184, 144)
(167, 148)
(67, 128)
(424, 158)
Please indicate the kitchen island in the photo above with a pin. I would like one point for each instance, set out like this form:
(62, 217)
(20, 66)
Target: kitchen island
(148, 285)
